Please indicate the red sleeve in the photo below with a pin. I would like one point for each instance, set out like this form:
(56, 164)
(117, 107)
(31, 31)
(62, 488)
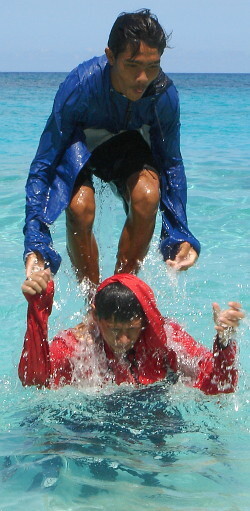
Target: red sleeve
(61, 351)
(220, 374)
(212, 372)
(34, 366)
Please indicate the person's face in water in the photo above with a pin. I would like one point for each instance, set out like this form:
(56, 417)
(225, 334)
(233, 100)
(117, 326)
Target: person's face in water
(131, 75)
(120, 336)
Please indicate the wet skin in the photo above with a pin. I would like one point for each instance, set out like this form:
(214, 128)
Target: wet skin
(120, 336)
(131, 75)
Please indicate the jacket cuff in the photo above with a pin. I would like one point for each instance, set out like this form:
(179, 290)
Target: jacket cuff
(38, 239)
(49, 255)
(169, 246)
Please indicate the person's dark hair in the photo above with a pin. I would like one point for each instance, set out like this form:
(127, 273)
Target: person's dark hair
(133, 27)
(118, 302)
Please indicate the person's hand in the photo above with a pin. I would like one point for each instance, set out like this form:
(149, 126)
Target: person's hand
(226, 321)
(184, 259)
(34, 262)
(37, 282)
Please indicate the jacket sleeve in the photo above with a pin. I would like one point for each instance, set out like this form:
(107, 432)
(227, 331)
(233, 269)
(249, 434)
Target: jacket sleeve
(212, 372)
(59, 152)
(35, 365)
(165, 143)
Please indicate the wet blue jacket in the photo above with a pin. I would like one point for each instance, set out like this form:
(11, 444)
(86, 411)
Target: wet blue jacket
(87, 100)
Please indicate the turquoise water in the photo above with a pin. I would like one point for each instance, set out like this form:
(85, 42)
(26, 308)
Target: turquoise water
(158, 448)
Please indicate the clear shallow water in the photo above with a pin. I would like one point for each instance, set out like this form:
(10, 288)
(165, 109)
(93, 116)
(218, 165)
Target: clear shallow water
(155, 448)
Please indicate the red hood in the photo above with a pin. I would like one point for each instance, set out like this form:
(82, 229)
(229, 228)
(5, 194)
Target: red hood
(153, 342)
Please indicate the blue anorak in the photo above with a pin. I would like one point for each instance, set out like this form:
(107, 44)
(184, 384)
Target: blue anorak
(86, 101)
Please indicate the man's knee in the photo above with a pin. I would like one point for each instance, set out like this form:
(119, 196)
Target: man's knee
(80, 213)
(144, 193)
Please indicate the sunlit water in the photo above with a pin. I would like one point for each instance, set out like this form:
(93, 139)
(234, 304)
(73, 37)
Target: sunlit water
(159, 447)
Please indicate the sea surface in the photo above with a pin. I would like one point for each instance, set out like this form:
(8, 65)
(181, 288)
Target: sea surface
(159, 448)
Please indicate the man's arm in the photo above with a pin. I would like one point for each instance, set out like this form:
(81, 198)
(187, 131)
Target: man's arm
(34, 366)
(42, 364)
(212, 372)
(60, 152)
(178, 245)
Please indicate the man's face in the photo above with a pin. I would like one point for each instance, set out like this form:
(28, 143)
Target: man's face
(132, 75)
(120, 336)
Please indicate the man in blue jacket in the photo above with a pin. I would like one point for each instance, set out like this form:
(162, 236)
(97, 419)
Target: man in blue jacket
(115, 117)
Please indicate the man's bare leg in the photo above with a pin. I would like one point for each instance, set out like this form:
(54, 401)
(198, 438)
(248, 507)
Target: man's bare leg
(81, 243)
(143, 200)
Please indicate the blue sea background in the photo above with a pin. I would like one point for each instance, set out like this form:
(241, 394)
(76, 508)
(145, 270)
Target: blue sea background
(158, 448)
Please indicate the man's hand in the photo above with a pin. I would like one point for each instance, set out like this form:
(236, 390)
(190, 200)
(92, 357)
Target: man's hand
(184, 259)
(227, 321)
(34, 262)
(37, 282)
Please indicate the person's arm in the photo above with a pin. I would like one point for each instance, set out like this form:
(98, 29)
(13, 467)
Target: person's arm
(60, 151)
(212, 372)
(178, 245)
(34, 366)
(41, 363)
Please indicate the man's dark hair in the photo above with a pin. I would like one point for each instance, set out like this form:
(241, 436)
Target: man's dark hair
(118, 302)
(133, 27)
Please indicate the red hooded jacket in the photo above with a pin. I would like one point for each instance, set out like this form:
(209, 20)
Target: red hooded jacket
(163, 348)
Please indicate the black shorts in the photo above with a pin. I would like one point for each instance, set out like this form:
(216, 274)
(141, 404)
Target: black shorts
(117, 159)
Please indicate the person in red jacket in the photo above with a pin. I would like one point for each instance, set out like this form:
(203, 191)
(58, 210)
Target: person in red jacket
(124, 339)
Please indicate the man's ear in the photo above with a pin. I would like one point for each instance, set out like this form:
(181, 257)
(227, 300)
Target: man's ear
(110, 56)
